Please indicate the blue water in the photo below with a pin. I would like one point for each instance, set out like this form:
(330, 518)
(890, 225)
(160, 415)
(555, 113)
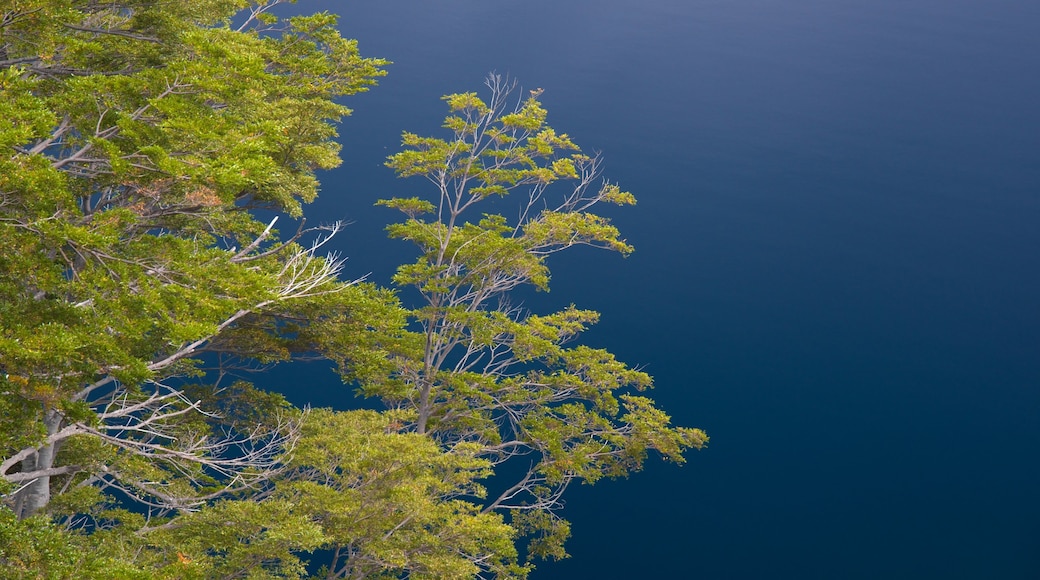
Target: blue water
(837, 270)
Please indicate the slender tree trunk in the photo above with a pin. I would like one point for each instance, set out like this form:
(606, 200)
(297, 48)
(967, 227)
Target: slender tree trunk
(425, 408)
(37, 494)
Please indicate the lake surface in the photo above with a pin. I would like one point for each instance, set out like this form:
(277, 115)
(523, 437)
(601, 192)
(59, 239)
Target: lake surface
(837, 271)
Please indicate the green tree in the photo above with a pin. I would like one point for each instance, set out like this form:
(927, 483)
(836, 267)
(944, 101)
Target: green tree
(138, 140)
(479, 370)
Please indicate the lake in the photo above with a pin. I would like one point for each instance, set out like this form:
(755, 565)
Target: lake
(837, 267)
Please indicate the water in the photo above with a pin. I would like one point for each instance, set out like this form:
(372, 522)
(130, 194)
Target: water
(836, 271)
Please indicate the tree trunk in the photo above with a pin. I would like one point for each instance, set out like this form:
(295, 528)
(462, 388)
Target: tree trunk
(37, 494)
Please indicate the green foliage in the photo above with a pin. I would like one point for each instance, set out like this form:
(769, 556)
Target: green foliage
(547, 534)
(484, 373)
(245, 539)
(135, 139)
(385, 502)
(390, 503)
(35, 548)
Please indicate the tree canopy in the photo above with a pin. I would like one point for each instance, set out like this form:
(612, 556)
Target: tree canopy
(140, 144)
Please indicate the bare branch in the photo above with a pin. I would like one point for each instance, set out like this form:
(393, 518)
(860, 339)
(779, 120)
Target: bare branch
(114, 32)
(15, 459)
(36, 474)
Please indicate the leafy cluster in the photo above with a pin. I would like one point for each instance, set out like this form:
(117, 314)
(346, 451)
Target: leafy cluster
(140, 141)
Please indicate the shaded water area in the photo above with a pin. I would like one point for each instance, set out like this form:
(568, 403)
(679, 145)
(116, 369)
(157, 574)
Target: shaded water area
(837, 270)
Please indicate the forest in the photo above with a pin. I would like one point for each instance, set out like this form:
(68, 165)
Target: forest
(156, 258)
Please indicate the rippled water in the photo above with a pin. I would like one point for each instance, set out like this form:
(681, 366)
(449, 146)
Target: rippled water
(837, 270)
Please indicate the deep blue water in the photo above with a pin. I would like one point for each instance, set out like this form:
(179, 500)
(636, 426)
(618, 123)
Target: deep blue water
(837, 271)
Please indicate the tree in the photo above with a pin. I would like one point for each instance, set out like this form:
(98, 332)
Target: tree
(139, 139)
(479, 370)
